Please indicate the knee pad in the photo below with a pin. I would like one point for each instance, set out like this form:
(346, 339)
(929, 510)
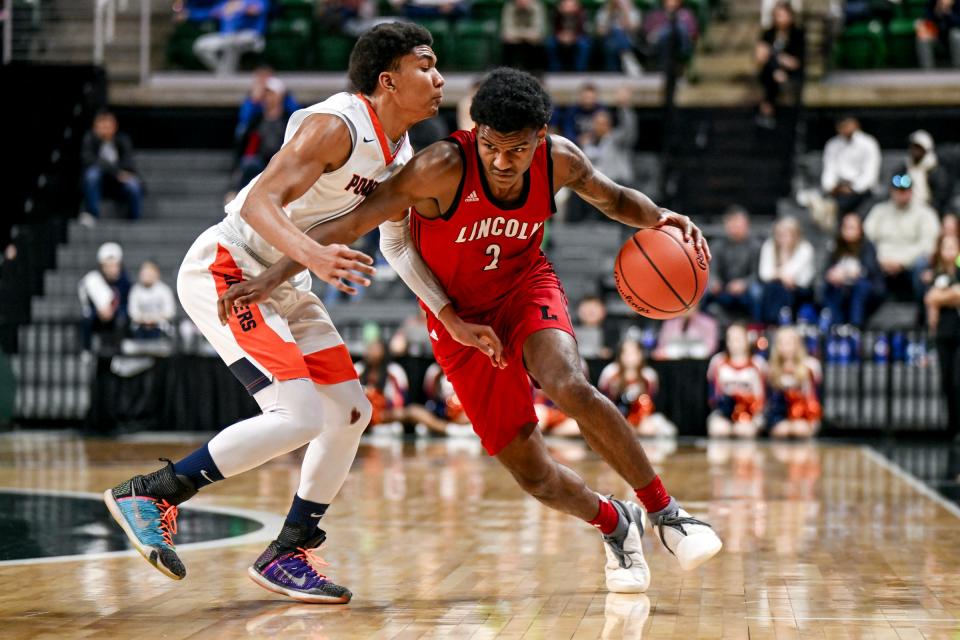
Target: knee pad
(345, 406)
(297, 403)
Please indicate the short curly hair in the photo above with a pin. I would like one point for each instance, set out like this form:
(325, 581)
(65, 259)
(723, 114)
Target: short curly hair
(510, 100)
(380, 49)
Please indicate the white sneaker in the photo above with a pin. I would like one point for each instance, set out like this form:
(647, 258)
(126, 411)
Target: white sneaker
(692, 541)
(626, 568)
(624, 616)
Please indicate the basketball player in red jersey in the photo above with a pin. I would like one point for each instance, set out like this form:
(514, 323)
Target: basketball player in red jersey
(479, 202)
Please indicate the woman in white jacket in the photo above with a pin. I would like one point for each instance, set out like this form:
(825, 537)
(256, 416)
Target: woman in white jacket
(787, 269)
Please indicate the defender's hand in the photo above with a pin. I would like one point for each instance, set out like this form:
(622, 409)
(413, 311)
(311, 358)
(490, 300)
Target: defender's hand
(335, 263)
(690, 230)
(478, 336)
(243, 294)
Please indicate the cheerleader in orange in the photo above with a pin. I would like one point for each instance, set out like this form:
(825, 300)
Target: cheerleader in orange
(736, 379)
(632, 386)
(794, 408)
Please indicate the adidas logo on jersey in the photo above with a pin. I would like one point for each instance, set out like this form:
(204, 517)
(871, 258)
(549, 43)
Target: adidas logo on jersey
(472, 197)
(433, 334)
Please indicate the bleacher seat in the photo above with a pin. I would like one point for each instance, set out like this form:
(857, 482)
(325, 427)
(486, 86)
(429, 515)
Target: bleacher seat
(861, 46)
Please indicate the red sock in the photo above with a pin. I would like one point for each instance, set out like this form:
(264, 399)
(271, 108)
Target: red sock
(654, 496)
(607, 518)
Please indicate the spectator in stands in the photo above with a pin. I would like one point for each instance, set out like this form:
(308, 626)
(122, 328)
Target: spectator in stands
(632, 385)
(940, 29)
(349, 17)
(243, 24)
(193, 10)
(853, 280)
(464, 121)
(787, 269)
(733, 289)
(576, 120)
(737, 383)
(109, 168)
(618, 24)
(793, 409)
(943, 316)
(931, 182)
(264, 134)
(523, 32)
(568, 47)
(671, 31)
(431, 9)
(151, 306)
(851, 166)
(387, 387)
(441, 399)
(103, 295)
(610, 145)
(610, 148)
(904, 231)
(596, 335)
(252, 106)
(691, 335)
(780, 55)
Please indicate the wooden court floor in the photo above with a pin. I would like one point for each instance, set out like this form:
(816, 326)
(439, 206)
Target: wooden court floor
(436, 542)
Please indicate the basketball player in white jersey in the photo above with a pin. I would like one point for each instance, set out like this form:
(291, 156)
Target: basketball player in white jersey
(286, 350)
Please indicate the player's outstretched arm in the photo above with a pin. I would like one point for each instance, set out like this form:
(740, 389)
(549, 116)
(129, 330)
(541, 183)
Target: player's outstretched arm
(321, 144)
(573, 169)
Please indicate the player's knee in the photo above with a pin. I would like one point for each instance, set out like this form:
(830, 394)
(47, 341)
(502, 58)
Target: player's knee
(347, 406)
(299, 406)
(573, 394)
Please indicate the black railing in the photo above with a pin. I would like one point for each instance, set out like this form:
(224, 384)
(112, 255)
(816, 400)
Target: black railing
(874, 382)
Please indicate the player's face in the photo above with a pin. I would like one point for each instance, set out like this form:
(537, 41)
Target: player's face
(418, 84)
(506, 156)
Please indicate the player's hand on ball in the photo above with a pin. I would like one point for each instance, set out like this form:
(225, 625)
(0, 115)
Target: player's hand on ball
(690, 230)
(335, 263)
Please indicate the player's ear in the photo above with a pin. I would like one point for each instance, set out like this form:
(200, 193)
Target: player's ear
(386, 81)
(541, 135)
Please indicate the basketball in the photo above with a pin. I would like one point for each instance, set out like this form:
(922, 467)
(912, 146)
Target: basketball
(660, 275)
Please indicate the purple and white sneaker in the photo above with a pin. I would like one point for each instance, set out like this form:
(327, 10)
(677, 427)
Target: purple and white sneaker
(290, 566)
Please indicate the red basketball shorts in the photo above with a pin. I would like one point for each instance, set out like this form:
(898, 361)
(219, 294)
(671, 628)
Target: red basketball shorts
(499, 402)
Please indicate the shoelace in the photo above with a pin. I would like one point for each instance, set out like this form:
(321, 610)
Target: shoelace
(168, 520)
(314, 561)
(676, 522)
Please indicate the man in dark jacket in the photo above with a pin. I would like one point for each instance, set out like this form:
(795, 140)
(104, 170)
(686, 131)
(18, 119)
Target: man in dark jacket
(733, 289)
(108, 168)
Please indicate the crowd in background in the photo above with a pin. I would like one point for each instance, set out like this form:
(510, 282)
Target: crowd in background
(532, 35)
(894, 237)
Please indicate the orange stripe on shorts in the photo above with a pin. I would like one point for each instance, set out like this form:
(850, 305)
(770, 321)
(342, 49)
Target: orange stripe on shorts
(331, 366)
(281, 358)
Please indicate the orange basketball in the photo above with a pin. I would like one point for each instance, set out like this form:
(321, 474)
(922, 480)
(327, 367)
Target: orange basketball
(660, 275)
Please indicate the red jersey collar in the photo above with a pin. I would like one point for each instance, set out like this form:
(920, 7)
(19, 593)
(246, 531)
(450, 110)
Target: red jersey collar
(381, 136)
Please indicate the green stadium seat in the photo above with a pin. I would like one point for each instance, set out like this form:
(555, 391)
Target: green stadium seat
(289, 9)
(861, 46)
(442, 39)
(332, 52)
(901, 43)
(180, 45)
(288, 43)
(477, 45)
(484, 10)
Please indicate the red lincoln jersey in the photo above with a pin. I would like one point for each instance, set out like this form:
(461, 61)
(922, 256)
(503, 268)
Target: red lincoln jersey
(482, 249)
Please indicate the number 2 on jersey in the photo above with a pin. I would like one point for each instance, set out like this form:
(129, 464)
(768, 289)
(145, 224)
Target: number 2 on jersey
(492, 250)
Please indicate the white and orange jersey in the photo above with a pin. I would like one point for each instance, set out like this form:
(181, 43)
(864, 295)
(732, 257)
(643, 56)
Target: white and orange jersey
(743, 380)
(334, 194)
